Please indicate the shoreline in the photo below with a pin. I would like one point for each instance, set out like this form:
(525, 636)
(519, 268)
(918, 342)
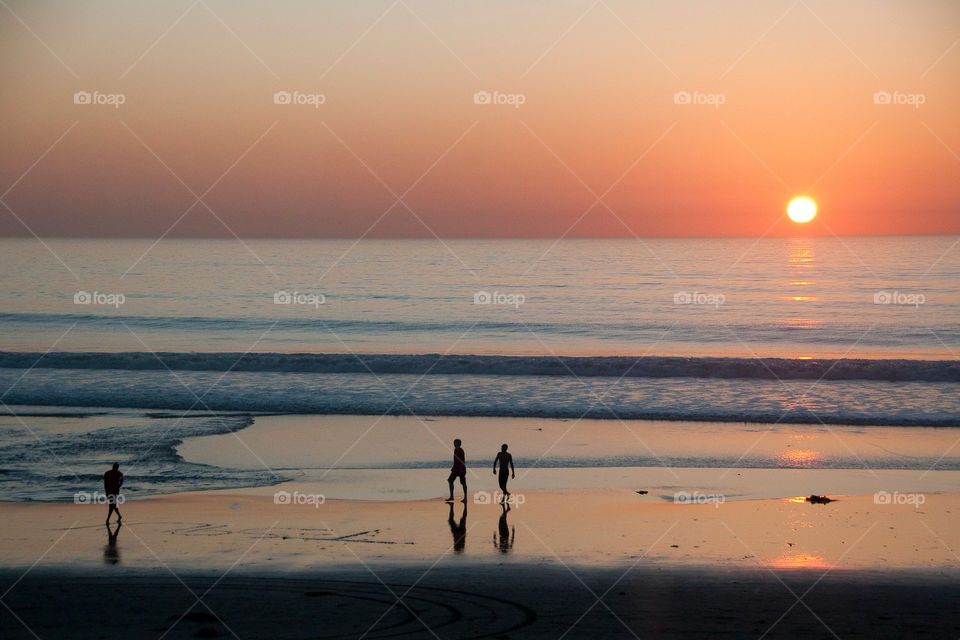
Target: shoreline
(659, 483)
(389, 457)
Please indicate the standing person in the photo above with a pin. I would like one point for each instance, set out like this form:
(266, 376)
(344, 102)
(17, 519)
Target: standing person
(112, 481)
(503, 459)
(458, 470)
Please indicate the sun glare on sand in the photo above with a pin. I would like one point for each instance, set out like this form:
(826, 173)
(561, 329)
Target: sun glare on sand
(802, 209)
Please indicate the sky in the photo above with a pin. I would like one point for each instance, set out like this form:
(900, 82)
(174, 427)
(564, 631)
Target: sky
(588, 132)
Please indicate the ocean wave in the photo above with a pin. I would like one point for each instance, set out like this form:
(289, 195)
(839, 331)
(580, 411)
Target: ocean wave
(619, 331)
(852, 402)
(892, 370)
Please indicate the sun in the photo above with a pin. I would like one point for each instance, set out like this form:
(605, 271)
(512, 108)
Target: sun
(802, 209)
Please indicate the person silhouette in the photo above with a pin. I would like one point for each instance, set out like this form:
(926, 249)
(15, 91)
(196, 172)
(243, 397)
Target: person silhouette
(111, 555)
(507, 533)
(503, 459)
(459, 531)
(458, 470)
(112, 481)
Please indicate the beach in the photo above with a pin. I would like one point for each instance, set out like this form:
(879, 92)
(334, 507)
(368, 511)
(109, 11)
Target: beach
(628, 565)
(296, 526)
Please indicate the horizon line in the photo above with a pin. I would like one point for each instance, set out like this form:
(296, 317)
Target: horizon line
(459, 238)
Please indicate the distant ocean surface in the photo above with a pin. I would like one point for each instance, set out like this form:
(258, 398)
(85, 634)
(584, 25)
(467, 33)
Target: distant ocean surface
(860, 331)
(787, 297)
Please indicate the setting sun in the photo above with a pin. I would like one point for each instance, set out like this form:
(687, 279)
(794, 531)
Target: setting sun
(802, 209)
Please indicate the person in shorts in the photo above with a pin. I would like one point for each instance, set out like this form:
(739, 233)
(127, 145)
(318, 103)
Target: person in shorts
(112, 481)
(458, 470)
(504, 460)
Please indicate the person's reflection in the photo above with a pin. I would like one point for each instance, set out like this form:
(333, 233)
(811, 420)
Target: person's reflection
(507, 533)
(459, 531)
(111, 555)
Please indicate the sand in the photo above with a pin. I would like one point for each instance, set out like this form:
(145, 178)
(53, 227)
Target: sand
(336, 569)
(523, 601)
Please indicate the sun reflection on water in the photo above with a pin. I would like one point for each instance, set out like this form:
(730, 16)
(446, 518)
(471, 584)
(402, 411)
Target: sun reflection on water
(801, 254)
(801, 323)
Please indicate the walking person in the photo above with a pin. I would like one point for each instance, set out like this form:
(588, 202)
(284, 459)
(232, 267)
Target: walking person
(458, 470)
(112, 481)
(503, 459)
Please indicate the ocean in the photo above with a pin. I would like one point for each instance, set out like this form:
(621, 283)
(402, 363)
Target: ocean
(108, 347)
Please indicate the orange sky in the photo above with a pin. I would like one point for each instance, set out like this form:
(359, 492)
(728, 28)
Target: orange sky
(599, 118)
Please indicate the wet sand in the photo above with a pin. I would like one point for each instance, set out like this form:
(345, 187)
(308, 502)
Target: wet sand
(336, 569)
(213, 529)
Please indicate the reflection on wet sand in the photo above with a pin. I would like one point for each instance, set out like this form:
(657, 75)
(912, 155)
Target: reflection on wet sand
(111, 554)
(458, 530)
(506, 533)
(799, 561)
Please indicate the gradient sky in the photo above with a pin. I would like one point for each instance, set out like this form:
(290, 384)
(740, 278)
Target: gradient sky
(599, 119)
